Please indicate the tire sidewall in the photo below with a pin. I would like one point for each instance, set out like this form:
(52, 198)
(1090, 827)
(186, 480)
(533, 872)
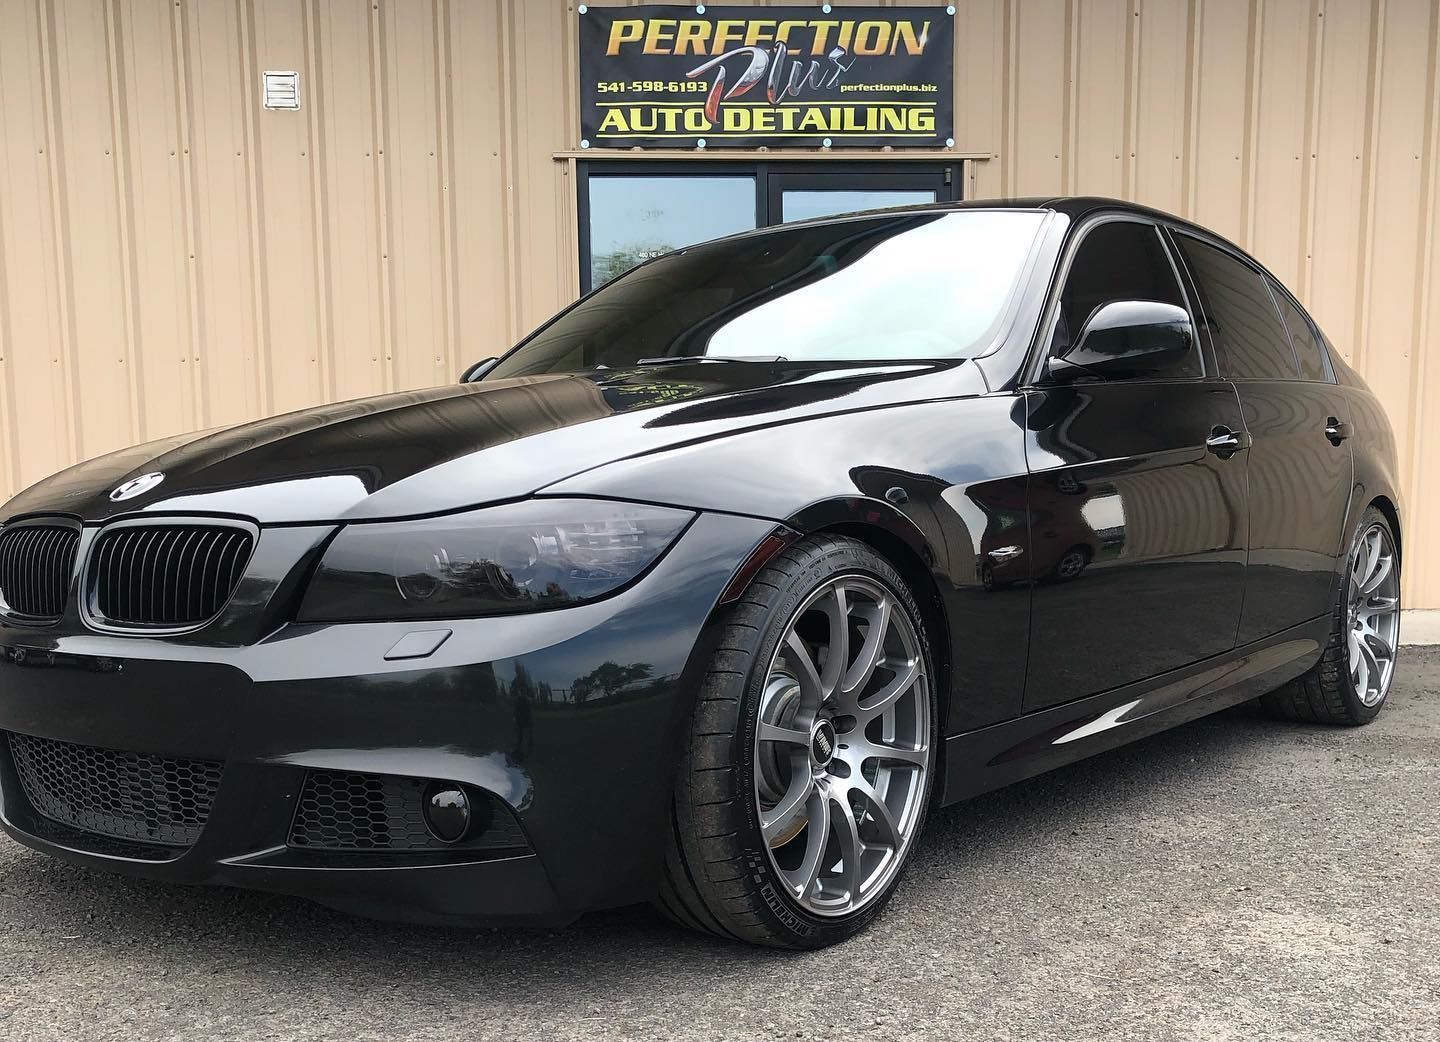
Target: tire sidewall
(827, 563)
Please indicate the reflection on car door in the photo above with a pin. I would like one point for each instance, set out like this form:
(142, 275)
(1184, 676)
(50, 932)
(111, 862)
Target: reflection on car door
(1300, 463)
(1138, 530)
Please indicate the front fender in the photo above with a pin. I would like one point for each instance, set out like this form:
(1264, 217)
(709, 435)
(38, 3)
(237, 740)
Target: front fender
(947, 478)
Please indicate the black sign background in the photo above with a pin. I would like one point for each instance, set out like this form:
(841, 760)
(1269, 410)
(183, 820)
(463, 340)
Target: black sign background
(859, 76)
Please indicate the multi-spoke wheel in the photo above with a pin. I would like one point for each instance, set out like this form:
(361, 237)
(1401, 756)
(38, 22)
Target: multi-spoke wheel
(1374, 614)
(1075, 561)
(842, 745)
(809, 770)
(1349, 683)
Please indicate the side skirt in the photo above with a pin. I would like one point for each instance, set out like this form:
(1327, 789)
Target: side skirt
(994, 756)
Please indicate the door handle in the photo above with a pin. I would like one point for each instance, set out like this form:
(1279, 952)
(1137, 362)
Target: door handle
(1224, 442)
(1338, 430)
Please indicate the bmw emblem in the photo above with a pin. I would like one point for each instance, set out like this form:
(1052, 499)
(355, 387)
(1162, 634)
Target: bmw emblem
(137, 486)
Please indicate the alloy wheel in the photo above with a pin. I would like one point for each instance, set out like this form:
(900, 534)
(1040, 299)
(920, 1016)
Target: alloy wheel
(1071, 565)
(842, 747)
(1373, 615)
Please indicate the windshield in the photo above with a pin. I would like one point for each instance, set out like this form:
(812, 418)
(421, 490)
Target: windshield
(902, 286)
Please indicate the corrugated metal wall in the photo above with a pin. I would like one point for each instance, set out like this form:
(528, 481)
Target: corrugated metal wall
(176, 257)
(173, 256)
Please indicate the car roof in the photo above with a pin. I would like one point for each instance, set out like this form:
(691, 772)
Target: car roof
(1073, 206)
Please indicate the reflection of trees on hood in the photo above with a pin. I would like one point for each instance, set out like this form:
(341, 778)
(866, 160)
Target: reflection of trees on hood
(636, 391)
(608, 679)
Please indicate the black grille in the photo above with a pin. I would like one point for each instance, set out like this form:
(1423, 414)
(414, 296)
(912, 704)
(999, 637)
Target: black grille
(122, 795)
(166, 575)
(36, 562)
(95, 843)
(345, 811)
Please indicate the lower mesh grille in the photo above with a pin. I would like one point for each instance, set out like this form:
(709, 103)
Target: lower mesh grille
(348, 811)
(95, 843)
(121, 795)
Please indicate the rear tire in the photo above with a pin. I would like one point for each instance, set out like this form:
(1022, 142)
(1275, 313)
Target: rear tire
(1364, 638)
(801, 790)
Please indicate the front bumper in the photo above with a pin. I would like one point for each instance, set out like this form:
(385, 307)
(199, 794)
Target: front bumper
(569, 719)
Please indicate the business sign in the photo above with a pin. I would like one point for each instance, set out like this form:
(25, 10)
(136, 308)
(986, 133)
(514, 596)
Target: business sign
(727, 77)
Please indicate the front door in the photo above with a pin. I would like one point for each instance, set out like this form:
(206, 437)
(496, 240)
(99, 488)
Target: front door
(632, 211)
(1137, 513)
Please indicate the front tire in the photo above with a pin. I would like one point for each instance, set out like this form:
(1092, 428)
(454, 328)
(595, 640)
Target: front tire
(1074, 561)
(1352, 679)
(808, 771)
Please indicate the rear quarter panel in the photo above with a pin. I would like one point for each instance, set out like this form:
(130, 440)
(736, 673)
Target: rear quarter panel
(1377, 467)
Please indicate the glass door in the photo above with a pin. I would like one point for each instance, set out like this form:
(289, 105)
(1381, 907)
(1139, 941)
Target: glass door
(800, 196)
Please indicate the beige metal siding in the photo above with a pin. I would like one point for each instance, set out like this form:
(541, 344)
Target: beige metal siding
(173, 256)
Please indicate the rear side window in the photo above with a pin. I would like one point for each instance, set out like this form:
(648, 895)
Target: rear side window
(1119, 260)
(1236, 306)
(1308, 351)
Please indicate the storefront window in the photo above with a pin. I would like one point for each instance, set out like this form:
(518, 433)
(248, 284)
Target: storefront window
(634, 218)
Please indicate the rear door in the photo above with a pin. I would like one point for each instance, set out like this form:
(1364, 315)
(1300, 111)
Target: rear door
(1299, 463)
(1138, 529)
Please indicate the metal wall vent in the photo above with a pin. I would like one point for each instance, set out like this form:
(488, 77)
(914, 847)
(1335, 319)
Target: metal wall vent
(282, 90)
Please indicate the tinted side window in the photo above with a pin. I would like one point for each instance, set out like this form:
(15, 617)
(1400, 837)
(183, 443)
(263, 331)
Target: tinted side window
(1235, 304)
(1308, 351)
(1119, 260)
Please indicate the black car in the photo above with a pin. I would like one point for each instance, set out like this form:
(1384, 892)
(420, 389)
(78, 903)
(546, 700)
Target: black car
(708, 591)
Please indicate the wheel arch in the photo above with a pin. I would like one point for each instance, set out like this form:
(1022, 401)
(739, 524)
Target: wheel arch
(897, 538)
(1386, 506)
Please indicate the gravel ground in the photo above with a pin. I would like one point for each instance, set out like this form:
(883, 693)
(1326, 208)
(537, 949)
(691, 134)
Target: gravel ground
(1234, 878)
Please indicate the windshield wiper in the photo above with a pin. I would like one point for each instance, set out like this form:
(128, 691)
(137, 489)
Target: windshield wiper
(675, 359)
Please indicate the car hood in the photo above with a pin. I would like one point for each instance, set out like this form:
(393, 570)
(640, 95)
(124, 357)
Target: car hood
(447, 448)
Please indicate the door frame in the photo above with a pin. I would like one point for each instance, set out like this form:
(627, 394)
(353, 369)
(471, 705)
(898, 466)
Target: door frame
(771, 178)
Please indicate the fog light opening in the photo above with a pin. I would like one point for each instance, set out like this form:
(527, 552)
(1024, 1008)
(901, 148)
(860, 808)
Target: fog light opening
(447, 811)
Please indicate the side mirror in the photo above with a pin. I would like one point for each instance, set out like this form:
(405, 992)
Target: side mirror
(1127, 338)
(479, 369)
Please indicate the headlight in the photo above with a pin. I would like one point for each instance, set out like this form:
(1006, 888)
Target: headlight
(529, 556)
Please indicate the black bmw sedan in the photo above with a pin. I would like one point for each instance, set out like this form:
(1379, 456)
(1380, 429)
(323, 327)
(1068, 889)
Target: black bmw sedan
(708, 591)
